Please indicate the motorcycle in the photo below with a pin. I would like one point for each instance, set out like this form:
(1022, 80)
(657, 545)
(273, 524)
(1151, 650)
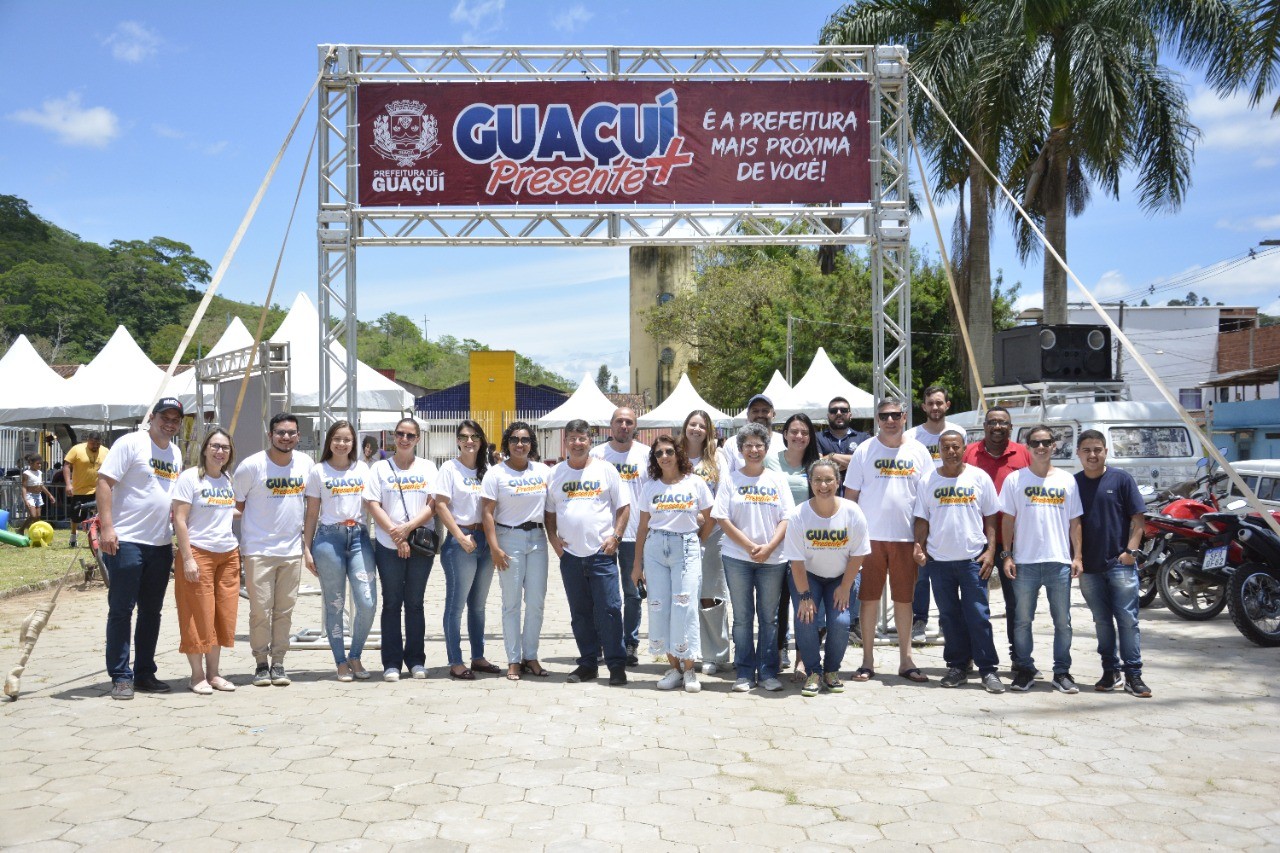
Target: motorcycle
(1253, 590)
(1173, 556)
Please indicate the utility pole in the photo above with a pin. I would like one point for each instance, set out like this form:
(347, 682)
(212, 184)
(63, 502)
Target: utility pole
(425, 336)
(789, 324)
(1119, 346)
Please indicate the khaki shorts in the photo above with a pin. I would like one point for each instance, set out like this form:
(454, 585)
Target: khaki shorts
(896, 560)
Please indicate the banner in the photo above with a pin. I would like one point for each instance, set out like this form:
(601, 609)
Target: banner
(692, 143)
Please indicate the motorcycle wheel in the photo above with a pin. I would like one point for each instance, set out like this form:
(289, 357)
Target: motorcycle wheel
(1254, 596)
(1148, 589)
(1186, 595)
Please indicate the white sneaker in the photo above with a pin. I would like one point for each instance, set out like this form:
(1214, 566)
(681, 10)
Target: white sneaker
(691, 684)
(391, 675)
(742, 685)
(670, 680)
(709, 668)
(773, 685)
(418, 671)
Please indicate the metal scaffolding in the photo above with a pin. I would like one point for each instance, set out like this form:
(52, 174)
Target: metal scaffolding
(343, 225)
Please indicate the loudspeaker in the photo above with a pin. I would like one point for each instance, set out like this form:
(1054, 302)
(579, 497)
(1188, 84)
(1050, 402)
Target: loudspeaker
(1070, 353)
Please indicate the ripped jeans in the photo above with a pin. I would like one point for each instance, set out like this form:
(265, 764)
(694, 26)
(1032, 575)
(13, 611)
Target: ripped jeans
(345, 554)
(673, 573)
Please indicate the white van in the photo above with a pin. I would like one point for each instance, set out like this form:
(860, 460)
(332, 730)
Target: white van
(1148, 440)
(1261, 475)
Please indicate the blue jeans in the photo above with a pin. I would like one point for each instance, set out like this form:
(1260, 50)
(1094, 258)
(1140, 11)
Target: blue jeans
(345, 555)
(964, 612)
(1055, 578)
(404, 587)
(673, 569)
(920, 599)
(630, 594)
(1112, 596)
(524, 580)
(139, 578)
(595, 607)
(808, 646)
(466, 583)
(755, 589)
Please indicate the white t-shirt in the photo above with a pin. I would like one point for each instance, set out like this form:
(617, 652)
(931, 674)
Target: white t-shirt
(826, 544)
(518, 496)
(955, 508)
(461, 486)
(32, 479)
(1042, 508)
(274, 504)
(886, 479)
(584, 503)
(733, 456)
(387, 484)
(213, 509)
(341, 493)
(674, 507)
(930, 441)
(754, 505)
(142, 498)
(713, 471)
(633, 469)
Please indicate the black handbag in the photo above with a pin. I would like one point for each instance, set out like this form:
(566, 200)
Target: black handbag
(422, 540)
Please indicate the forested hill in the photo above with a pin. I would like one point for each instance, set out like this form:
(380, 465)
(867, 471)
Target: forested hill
(67, 296)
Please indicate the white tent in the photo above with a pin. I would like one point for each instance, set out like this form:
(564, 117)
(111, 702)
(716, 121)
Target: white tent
(118, 385)
(588, 403)
(183, 386)
(778, 392)
(301, 329)
(33, 393)
(820, 383)
(683, 400)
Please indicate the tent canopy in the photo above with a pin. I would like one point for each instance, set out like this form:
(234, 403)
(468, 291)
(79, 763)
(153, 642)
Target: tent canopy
(120, 378)
(183, 386)
(34, 393)
(588, 403)
(778, 392)
(820, 383)
(683, 400)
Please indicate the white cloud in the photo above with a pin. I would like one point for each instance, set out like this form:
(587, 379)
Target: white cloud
(1251, 223)
(166, 132)
(213, 149)
(132, 42)
(1266, 162)
(1229, 123)
(571, 19)
(72, 123)
(478, 16)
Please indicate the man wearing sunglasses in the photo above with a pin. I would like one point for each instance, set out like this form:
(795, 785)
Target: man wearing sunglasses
(884, 476)
(838, 440)
(1042, 511)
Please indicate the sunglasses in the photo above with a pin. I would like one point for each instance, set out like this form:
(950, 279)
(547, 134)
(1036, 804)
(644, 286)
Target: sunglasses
(664, 452)
(838, 411)
(286, 433)
(520, 439)
(1042, 442)
(997, 424)
(467, 436)
(402, 434)
(889, 416)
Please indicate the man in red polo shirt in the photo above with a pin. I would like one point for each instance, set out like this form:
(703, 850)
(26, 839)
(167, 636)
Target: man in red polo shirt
(999, 456)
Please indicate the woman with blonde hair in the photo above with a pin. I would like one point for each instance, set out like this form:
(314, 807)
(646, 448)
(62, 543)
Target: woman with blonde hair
(698, 443)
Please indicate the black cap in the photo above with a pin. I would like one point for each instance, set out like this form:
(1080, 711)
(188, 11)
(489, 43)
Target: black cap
(164, 404)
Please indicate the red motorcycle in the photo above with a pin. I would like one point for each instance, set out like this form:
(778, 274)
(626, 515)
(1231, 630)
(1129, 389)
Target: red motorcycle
(1182, 558)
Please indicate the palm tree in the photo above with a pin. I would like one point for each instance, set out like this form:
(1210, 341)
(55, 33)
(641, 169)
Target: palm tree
(1084, 77)
(1257, 66)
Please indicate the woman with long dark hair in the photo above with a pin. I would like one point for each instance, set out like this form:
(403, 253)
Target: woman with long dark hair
(800, 450)
(468, 566)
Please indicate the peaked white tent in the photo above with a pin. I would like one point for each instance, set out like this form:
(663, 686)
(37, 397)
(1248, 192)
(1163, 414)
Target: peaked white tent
(683, 400)
(301, 330)
(33, 392)
(778, 392)
(820, 383)
(588, 403)
(120, 382)
(183, 386)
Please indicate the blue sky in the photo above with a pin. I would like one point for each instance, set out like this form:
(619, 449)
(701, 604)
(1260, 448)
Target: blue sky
(128, 120)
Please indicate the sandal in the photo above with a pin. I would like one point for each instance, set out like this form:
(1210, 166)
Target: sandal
(465, 675)
(914, 674)
(513, 672)
(484, 666)
(862, 673)
(532, 667)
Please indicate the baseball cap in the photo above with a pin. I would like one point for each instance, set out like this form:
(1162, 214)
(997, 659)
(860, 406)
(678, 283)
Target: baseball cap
(164, 404)
(753, 400)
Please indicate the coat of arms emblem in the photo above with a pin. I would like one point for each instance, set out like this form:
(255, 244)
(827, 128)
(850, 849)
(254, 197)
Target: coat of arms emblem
(406, 134)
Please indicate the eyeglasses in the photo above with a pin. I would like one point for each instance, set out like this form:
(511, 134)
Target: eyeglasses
(220, 448)
(838, 410)
(664, 452)
(823, 481)
(1041, 442)
(521, 439)
(753, 446)
(286, 433)
(889, 416)
(997, 424)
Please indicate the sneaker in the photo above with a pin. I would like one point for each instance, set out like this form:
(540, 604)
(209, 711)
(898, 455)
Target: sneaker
(773, 685)
(279, 677)
(709, 668)
(1111, 679)
(784, 659)
(419, 671)
(583, 673)
(1135, 686)
(691, 684)
(833, 682)
(633, 658)
(992, 683)
(742, 685)
(855, 632)
(670, 680)
(955, 677)
(122, 690)
(617, 676)
(72, 543)
(1022, 680)
(1064, 683)
(391, 674)
(812, 685)
(150, 684)
(917, 631)
(262, 676)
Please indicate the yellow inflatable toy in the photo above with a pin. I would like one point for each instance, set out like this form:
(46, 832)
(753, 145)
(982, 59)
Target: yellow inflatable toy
(40, 534)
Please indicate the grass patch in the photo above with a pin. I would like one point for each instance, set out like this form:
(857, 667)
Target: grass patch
(21, 567)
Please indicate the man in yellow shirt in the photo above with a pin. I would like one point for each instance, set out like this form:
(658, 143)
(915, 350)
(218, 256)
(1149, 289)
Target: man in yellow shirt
(80, 473)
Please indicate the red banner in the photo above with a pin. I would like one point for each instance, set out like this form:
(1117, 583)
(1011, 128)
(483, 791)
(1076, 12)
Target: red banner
(802, 142)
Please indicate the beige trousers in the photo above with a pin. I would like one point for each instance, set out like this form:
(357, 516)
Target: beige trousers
(273, 591)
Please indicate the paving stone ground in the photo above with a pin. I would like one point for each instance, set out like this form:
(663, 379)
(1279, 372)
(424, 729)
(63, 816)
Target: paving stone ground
(542, 764)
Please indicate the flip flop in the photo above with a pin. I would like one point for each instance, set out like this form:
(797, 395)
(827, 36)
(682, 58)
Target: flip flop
(863, 674)
(914, 674)
(465, 675)
(486, 668)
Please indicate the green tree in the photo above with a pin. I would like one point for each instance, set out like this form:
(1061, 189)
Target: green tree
(399, 327)
(1256, 67)
(148, 284)
(49, 301)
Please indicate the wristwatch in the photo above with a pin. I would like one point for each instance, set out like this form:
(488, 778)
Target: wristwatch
(1004, 555)
(807, 595)
(1128, 551)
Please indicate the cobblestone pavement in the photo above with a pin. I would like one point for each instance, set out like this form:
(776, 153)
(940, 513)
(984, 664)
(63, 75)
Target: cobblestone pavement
(542, 764)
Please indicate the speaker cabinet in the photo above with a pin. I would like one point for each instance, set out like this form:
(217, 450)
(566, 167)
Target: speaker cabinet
(1068, 353)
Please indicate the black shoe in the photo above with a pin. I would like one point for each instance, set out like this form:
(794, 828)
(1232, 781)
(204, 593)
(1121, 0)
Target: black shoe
(1135, 686)
(617, 676)
(1022, 680)
(1111, 679)
(1064, 683)
(583, 673)
(149, 684)
(633, 659)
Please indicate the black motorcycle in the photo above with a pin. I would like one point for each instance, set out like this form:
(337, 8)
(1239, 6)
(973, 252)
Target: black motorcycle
(1253, 590)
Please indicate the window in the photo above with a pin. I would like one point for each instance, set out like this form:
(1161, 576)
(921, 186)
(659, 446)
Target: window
(1149, 442)
(1250, 481)
(1189, 398)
